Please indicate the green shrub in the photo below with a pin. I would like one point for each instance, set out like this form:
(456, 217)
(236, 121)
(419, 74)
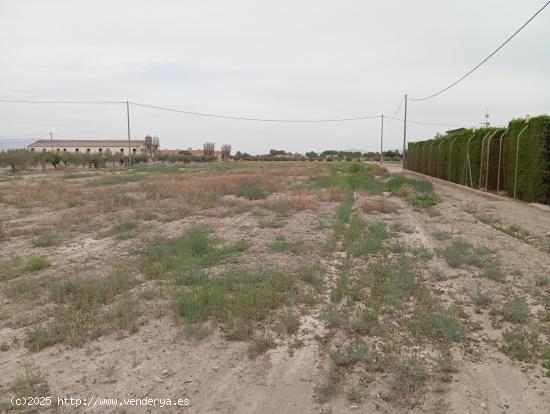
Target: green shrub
(424, 200)
(36, 263)
(290, 321)
(521, 345)
(194, 249)
(238, 293)
(516, 311)
(98, 291)
(365, 322)
(335, 318)
(397, 181)
(482, 299)
(409, 375)
(125, 229)
(47, 239)
(312, 275)
(460, 253)
(438, 323)
(30, 383)
(349, 354)
(13, 268)
(252, 191)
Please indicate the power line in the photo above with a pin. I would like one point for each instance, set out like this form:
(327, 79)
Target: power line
(429, 123)
(240, 118)
(391, 118)
(243, 118)
(484, 60)
(62, 102)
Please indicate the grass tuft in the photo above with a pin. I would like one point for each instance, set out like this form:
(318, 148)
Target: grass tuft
(516, 311)
(252, 191)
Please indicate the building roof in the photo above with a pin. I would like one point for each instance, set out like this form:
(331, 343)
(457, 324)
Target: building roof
(168, 152)
(86, 143)
(194, 152)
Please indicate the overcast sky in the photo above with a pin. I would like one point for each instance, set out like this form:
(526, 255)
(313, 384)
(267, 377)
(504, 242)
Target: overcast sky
(275, 59)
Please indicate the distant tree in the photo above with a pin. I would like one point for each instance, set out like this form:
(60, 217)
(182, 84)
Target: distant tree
(329, 154)
(226, 151)
(54, 159)
(274, 152)
(208, 149)
(312, 156)
(16, 159)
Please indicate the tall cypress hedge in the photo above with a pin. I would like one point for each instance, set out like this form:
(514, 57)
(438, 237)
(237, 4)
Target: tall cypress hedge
(533, 181)
(446, 157)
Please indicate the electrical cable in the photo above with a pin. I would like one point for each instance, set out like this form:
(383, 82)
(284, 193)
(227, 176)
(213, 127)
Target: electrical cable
(243, 118)
(484, 60)
(63, 102)
(391, 118)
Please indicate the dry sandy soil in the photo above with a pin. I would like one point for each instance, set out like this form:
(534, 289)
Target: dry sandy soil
(389, 306)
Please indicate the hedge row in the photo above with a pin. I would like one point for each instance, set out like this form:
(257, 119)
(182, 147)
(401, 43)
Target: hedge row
(471, 157)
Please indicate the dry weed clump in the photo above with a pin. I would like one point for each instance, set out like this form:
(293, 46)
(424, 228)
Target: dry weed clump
(380, 171)
(75, 216)
(206, 190)
(43, 194)
(378, 205)
(333, 194)
(291, 202)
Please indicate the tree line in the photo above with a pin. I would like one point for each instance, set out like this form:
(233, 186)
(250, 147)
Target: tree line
(22, 159)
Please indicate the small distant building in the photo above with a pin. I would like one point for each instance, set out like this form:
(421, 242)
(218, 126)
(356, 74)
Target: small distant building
(193, 152)
(149, 145)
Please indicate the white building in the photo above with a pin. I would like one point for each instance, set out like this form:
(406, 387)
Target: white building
(144, 146)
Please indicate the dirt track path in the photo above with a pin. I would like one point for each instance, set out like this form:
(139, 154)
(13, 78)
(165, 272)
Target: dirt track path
(488, 381)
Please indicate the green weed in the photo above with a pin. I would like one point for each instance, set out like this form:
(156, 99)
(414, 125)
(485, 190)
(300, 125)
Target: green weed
(409, 375)
(516, 311)
(281, 245)
(238, 293)
(311, 274)
(437, 323)
(260, 345)
(349, 354)
(252, 191)
(194, 249)
(423, 200)
(47, 239)
(290, 321)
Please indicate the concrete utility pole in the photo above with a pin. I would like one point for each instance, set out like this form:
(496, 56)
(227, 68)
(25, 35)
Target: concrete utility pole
(51, 139)
(381, 140)
(129, 145)
(404, 132)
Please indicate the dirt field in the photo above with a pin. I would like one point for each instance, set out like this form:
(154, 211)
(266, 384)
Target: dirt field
(271, 288)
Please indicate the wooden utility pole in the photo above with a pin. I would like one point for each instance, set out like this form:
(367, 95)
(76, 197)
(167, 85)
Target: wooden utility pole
(382, 140)
(404, 132)
(129, 145)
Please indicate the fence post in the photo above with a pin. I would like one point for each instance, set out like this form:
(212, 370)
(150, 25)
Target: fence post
(517, 159)
(488, 153)
(481, 159)
(430, 160)
(500, 157)
(469, 162)
(451, 158)
(438, 157)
